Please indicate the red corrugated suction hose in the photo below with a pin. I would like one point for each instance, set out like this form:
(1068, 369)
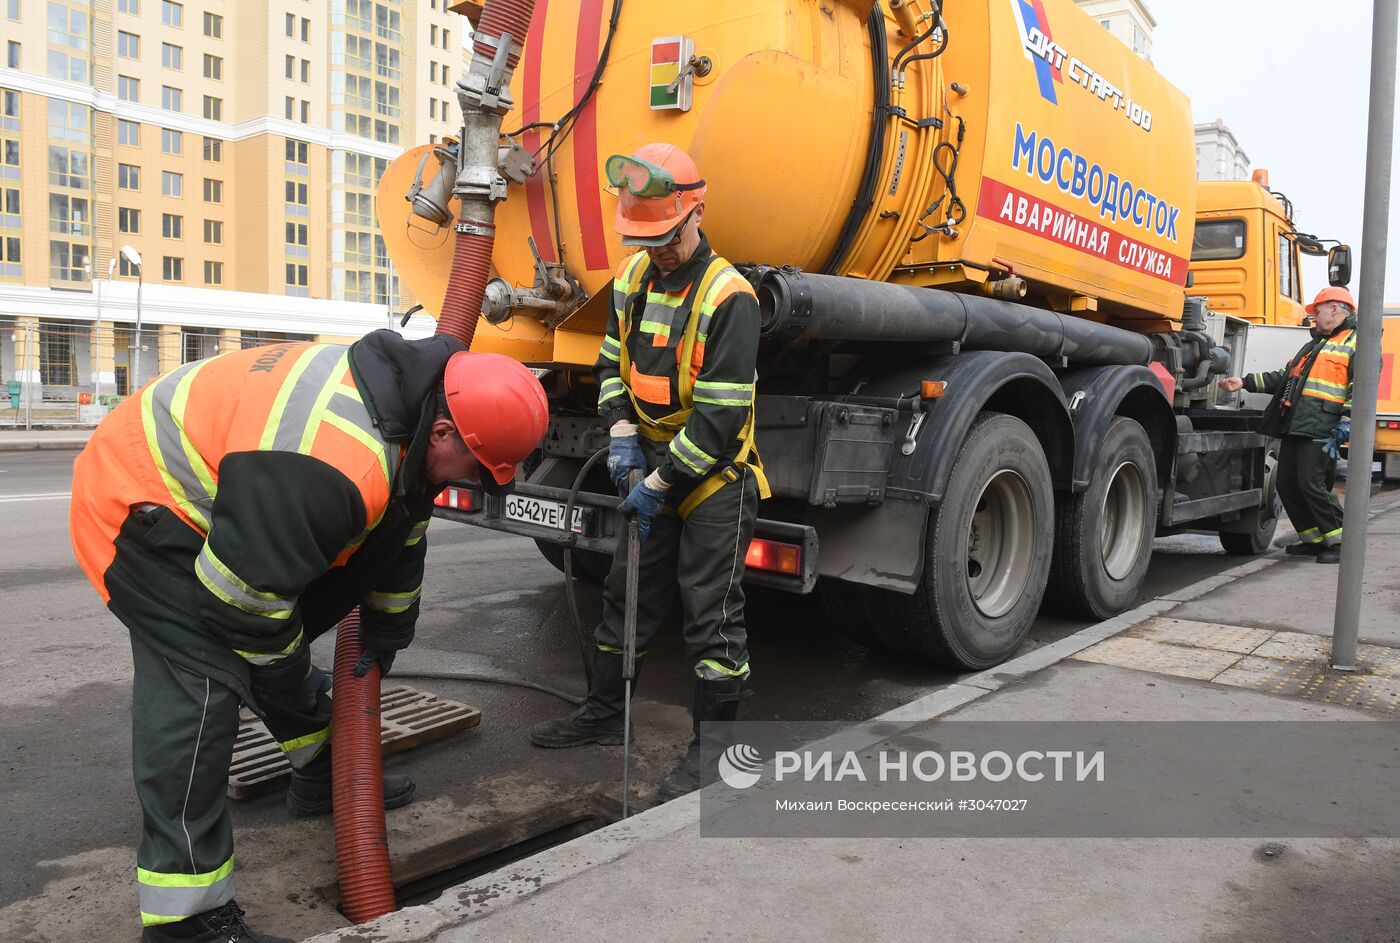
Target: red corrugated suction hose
(466, 286)
(357, 787)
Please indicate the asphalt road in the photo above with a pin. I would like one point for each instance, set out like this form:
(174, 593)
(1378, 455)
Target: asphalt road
(491, 604)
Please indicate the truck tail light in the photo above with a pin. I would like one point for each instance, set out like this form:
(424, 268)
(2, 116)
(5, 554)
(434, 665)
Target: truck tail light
(1389, 424)
(774, 557)
(460, 499)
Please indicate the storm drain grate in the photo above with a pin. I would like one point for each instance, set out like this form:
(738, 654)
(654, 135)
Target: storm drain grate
(408, 718)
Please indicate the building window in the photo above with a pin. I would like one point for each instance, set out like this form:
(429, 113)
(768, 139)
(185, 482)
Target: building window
(12, 54)
(10, 257)
(128, 133)
(69, 215)
(432, 108)
(292, 25)
(213, 272)
(289, 105)
(128, 89)
(172, 14)
(432, 71)
(129, 6)
(68, 168)
(171, 142)
(57, 365)
(432, 34)
(68, 262)
(213, 150)
(172, 184)
(12, 9)
(214, 232)
(172, 57)
(306, 70)
(214, 25)
(124, 268)
(213, 67)
(446, 34)
(289, 65)
(128, 45)
(171, 99)
(128, 177)
(128, 220)
(296, 279)
(213, 108)
(213, 191)
(305, 112)
(172, 268)
(296, 234)
(305, 30)
(172, 226)
(69, 45)
(444, 74)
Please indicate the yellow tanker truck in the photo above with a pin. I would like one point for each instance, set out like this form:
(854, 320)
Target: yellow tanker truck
(983, 382)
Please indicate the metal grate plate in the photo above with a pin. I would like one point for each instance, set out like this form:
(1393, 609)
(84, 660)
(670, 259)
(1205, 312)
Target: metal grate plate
(408, 718)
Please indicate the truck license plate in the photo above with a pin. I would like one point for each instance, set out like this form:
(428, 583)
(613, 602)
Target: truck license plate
(543, 513)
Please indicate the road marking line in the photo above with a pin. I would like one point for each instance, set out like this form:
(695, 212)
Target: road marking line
(45, 496)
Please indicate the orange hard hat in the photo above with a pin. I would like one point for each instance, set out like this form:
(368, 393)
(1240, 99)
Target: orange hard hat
(1333, 293)
(649, 215)
(498, 407)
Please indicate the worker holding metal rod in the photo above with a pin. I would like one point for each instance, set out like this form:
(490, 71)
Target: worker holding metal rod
(676, 386)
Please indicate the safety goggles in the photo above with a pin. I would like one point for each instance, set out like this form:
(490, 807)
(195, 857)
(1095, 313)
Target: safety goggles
(643, 178)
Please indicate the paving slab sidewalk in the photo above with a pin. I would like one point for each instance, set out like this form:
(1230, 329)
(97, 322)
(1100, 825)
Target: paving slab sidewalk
(1241, 647)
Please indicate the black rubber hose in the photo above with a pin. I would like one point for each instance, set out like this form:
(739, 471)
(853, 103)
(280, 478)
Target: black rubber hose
(585, 650)
(870, 179)
(488, 679)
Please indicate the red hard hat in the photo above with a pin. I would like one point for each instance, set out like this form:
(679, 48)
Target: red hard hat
(498, 407)
(1331, 294)
(649, 218)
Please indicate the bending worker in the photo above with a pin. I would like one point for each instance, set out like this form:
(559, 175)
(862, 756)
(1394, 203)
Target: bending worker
(676, 386)
(235, 509)
(1311, 411)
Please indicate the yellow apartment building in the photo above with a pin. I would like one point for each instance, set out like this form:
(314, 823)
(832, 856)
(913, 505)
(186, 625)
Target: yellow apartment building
(232, 146)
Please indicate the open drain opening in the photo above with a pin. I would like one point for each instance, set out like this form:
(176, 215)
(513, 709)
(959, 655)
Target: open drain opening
(421, 876)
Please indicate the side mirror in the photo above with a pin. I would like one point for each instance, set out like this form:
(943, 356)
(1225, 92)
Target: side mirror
(1339, 266)
(1309, 245)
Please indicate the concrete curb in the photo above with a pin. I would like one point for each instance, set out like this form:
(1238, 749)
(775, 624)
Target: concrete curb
(479, 897)
(38, 445)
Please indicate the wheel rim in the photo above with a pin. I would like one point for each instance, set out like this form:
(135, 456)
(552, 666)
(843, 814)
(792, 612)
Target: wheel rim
(1121, 521)
(1000, 544)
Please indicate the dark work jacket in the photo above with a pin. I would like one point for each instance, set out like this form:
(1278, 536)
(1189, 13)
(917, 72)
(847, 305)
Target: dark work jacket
(1290, 412)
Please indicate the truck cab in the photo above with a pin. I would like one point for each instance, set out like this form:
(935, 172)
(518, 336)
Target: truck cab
(1244, 255)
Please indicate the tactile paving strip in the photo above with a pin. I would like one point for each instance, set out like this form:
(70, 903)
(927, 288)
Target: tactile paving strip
(1291, 664)
(407, 718)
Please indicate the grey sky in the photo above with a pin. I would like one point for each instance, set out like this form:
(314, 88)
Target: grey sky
(1292, 80)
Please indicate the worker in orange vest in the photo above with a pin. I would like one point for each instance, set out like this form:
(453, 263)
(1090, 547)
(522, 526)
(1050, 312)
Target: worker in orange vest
(1311, 412)
(232, 511)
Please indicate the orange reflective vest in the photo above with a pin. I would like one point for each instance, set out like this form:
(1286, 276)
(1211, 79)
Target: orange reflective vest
(164, 446)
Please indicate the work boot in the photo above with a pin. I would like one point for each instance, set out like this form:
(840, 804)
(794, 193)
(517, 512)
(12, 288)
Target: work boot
(310, 790)
(716, 706)
(1305, 549)
(599, 720)
(221, 925)
(1331, 555)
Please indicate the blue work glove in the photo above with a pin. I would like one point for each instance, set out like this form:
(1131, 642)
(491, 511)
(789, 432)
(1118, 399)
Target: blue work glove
(385, 657)
(645, 501)
(1340, 435)
(624, 455)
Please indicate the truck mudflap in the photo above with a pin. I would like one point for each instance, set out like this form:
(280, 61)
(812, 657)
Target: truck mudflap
(782, 555)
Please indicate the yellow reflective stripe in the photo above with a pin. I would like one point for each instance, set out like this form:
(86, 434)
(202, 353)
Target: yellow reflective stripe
(416, 534)
(611, 348)
(655, 327)
(689, 455)
(394, 602)
(303, 750)
(721, 669)
(666, 298)
(208, 878)
(181, 467)
(289, 385)
(1318, 394)
(225, 584)
(1309, 536)
(723, 394)
(611, 387)
(318, 408)
(363, 437)
(262, 659)
(1328, 383)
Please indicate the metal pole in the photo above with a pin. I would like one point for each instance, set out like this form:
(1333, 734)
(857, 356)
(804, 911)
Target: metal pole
(1367, 360)
(95, 349)
(30, 332)
(135, 382)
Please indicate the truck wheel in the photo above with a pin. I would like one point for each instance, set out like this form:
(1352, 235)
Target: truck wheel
(987, 554)
(1103, 535)
(589, 565)
(1253, 533)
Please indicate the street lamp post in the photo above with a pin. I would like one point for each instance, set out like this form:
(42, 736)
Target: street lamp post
(97, 337)
(134, 258)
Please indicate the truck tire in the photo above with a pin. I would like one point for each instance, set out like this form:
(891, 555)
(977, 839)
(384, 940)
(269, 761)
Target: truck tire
(987, 554)
(589, 565)
(1253, 533)
(1103, 535)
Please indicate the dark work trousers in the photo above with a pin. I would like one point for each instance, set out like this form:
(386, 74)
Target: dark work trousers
(701, 559)
(184, 723)
(1306, 475)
